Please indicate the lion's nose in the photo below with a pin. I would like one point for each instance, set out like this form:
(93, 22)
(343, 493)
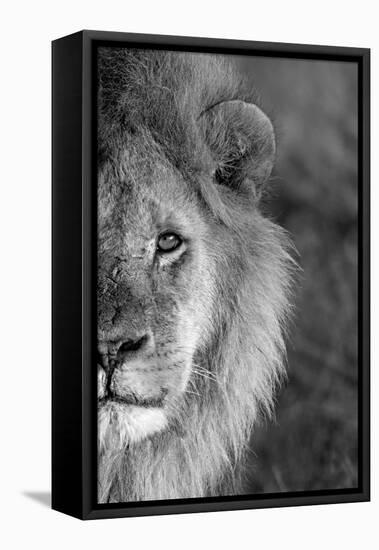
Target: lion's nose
(115, 351)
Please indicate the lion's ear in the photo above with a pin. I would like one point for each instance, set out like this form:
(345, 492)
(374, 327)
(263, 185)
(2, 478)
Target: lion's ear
(241, 140)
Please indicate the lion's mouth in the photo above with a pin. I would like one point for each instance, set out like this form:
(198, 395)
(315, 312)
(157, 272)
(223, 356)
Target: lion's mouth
(132, 399)
(122, 423)
(119, 388)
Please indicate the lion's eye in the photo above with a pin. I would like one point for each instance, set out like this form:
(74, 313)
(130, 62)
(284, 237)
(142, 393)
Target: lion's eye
(168, 242)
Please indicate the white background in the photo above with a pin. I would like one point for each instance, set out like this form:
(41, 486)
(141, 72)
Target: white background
(27, 29)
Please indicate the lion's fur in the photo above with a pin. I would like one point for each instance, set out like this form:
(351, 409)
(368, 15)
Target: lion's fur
(234, 376)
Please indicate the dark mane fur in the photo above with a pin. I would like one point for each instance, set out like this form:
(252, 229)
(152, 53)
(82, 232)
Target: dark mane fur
(164, 93)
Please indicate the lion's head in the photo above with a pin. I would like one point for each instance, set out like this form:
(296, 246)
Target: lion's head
(156, 289)
(192, 279)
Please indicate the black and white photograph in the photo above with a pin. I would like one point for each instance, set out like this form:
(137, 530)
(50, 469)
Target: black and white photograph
(188, 222)
(227, 274)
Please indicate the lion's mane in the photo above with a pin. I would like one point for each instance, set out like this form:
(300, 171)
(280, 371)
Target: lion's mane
(234, 379)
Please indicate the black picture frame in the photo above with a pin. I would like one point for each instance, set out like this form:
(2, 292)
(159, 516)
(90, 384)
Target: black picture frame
(74, 269)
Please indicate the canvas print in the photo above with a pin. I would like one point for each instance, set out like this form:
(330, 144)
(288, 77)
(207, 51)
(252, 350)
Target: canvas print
(227, 265)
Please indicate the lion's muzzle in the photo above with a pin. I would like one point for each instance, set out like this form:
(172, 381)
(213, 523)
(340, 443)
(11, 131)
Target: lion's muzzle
(128, 372)
(132, 388)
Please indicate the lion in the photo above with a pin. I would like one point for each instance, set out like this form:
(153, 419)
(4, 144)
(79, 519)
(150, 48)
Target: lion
(194, 281)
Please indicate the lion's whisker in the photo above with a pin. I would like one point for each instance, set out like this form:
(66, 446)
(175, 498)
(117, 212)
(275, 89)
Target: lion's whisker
(203, 375)
(192, 393)
(201, 371)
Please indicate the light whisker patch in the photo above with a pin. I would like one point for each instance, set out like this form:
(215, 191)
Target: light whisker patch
(121, 425)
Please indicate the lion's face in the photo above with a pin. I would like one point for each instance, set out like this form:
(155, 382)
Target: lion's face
(154, 294)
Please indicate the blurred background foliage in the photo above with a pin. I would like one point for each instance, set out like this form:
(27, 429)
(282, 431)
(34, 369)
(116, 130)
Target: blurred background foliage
(312, 444)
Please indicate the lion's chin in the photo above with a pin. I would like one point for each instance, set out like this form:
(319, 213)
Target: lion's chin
(120, 425)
